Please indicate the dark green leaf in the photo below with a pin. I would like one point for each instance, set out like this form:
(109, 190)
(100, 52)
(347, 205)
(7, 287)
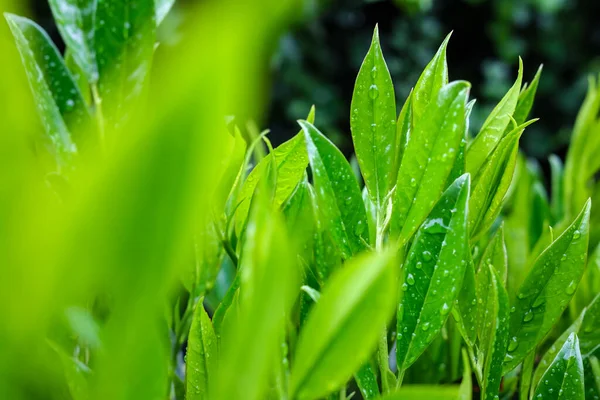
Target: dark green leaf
(201, 355)
(548, 288)
(564, 379)
(342, 329)
(412, 392)
(465, 309)
(373, 122)
(429, 158)
(338, 196)
(433, 274)
(495, 255)
(366, 379)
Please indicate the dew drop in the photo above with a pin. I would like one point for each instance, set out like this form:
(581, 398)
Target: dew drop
(576, 235)
(426, 256)
(538, 302)
(419, 265)
(410, 279)
(374, 72)
(571, 288)
(513, 344)
(528, 316)
(563, 258)
(445, 309)
(373, 92)
(413, 182)
(425, 326)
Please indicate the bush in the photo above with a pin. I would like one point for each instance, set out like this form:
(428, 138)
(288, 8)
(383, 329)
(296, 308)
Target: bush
(150, 253)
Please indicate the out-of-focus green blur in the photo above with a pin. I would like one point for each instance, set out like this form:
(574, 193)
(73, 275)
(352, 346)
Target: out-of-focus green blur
(122, 222)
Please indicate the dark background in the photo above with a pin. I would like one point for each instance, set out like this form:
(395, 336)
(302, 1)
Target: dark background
(316, 62)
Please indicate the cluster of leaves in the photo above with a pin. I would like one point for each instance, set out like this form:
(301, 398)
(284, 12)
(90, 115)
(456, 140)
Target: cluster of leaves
(302, 285)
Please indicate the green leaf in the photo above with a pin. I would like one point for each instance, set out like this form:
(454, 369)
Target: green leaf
(431, 82)
(494, 127)
(465, 309)
(433, 274)
(493, 328)
(557, 204)
(492, 183)
(591, 371)
(429, 392)
(466, 385)
(124, 43)
(59, 102)
(291, 160)
(460, 166)
(75, 22)
(366, 379)
(403, 131)
(343, 328)
(429, 158)
(564, 379)
(495, 255)
(337, 193)
(162, 9)
(373, 122)
(249, 345)
(548, 288)
(201, 355)
(78, 76)
(526, 98)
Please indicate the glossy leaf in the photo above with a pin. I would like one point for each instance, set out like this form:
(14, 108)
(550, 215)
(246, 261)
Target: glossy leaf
(431, 81)
(201, 355)
(496, 256)
(465, 308)
(466, 385)
(548, 288)
(492, 183)
(564, 379)
(429, 159)
(433, 274)
(338, 196)
(75, 22)
(162, 9)
(366, 379)
(557, 205)
(291, 160)
(526, 98)
(493, 328)
(342, 329)
(403, 132)
(124, 43)
(373, 122)
(59, 102)
(411, 392)
(494, 127)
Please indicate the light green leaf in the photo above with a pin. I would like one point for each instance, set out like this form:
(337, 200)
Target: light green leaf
(495, 255)
(338, 196)
(78, 77)
(466, 385)
(431, 81)
(433, 274)
(429, 392)
(492, 183)
(343, 328)
(403, 131)
(75, 22)
(373, 122)
(465, 308)
(59, 102)
(548, 288)
(564, 379)
(291, 160)
(201, 355)
(428, 159)
(557, 204)
(493, 328)
(124, 43)
(526, 98)
(366, 379)
(460, 166)
(494, 127)
(250, 344)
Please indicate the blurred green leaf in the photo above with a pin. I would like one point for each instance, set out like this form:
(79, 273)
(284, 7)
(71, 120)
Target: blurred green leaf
(343, 328)
(201, 356)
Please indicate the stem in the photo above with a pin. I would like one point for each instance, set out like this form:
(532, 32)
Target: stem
(230, 252)
(525, 384)
(99, 114)
(400, 377)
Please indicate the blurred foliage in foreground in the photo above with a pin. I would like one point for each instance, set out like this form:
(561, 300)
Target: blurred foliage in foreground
(153, 249)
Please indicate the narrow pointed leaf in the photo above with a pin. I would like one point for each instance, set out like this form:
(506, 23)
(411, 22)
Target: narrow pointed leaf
(429, 392)
(337, 193)
(403, 131)
(548, 288)
(465, 308)
(59, 102)
(495, 255)
(492, 183)
(75, 22)
(431, 81)
(201, 355)
(373, 122)
(342, 329)
(433, 274)
(564, 380)
(526, 98)
(162, 9)
(429, 158)
(494, 127)
(366, 379)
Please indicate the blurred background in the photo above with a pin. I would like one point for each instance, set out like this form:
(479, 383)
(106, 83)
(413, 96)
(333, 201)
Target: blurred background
(316, 61)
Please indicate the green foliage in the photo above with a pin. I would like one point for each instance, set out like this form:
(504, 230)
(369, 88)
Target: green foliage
(152, 263)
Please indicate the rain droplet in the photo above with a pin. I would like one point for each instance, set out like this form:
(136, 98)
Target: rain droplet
(374, 72)
(513, 344)
(528, 316)
(425, 326)
(413, 182)
(373, 92)
(426, 256)
(571, 288)
(521, 296)
(538, 302)
(410, 279)
(445, 309)
(419, 265)
(563, 258)
(576, 235)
